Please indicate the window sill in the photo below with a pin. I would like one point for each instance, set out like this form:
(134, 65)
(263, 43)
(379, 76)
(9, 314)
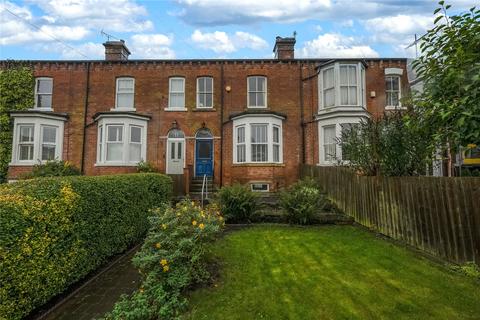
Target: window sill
(123, 109)
(395, 108)
(204, 109)
(176, 109)
(256, 164)
(41, 109)
(257, 107)
(23, 164)
(116, 164)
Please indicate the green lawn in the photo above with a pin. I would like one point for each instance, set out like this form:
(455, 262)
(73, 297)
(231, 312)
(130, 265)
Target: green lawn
(329, 272)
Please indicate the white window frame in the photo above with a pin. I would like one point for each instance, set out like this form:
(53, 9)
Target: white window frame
(241, 144)
(126, 123)
(38, 122)
(392, 72)
(170, 92)
(38, 79)
(132, 92)
(260, 183)
(204, 92)
(42, 143)
(247, 121)
(399, 91)
(360, 86)
(255, 91)
(337, 122)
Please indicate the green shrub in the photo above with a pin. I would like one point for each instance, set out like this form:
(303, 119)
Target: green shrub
(469, 269)
(53, 168)
(302, 200)
(237, 203)
(171, 259)
(54, 231)
(146, 167)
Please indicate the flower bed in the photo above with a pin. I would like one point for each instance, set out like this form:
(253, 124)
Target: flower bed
(172, 258)
(54, 231)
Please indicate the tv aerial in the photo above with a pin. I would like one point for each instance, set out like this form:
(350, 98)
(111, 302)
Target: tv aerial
(108, 36)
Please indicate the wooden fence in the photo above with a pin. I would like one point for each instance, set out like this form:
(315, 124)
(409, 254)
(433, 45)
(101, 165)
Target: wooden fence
(439, 215)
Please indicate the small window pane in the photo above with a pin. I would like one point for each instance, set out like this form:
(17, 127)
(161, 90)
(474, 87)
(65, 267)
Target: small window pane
(172, 150)
(26, 134)
(204, 133)
(352, 95)
(115, 134)
(49, 134)
(44, 101)
(252, 99)
(125, 84)
(44, 86)
(179, 150)
(177, 100)
(261, 84)
(135, 152)
(208, 100)
(125, 100)
(276, 137)
(175, 133)
(48, 152)
(209, 84)
(329, 96)
(136, 134)
(114, 151)
(204, 149)
(343, 75)
(241, 134)
(241, 153)
(352, 75)
(251, 83)
(276, 153)
(176, 85)
(25, 152)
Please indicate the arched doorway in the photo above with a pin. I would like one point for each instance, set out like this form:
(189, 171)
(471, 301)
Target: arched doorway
(175, 151)
(203, 153)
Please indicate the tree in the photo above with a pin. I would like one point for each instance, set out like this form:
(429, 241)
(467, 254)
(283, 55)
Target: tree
(16, 93)
(385, 146)
(448, 109)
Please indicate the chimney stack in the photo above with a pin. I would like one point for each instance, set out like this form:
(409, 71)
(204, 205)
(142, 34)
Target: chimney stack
(284, 48)
(116, 51)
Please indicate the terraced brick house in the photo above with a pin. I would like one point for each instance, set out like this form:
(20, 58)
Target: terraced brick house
(252, 121)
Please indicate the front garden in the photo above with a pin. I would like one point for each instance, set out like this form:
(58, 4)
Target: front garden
(55, 231)
(328, 272)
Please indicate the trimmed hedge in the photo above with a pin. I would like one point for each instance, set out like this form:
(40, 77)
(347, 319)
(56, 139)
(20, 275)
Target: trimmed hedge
(54, 231)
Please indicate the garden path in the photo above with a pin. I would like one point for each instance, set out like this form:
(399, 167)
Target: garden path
(99, 295)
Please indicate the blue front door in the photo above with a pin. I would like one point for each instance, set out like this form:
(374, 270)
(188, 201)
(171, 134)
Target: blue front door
(204, 157)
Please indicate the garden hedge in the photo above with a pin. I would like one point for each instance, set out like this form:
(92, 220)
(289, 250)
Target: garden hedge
(54, 231)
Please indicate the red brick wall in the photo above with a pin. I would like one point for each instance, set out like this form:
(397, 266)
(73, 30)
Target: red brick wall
(151, 98)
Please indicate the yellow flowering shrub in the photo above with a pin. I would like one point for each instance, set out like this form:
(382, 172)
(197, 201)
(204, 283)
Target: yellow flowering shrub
(54, 231)
(171, 259)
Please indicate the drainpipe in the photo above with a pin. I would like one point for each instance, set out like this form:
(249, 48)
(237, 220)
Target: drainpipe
(85, 109)
(221, 123)
(302, 124)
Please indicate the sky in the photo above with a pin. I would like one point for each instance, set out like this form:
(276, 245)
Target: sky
(204, 29)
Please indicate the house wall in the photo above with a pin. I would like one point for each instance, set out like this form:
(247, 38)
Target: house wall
(291, 87)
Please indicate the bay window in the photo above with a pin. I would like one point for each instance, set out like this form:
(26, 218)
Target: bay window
(342, 85)
(330, 135)
(37, 138)
(121, 140)
(257, 139)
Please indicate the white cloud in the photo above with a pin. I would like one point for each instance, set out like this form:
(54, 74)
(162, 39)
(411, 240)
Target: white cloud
(397, 28)
(152, 46)
(221, 42)
(221, 12)
(225, 12)
(15, 30)
(114, 15)
(332, 45)
(68, 20)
